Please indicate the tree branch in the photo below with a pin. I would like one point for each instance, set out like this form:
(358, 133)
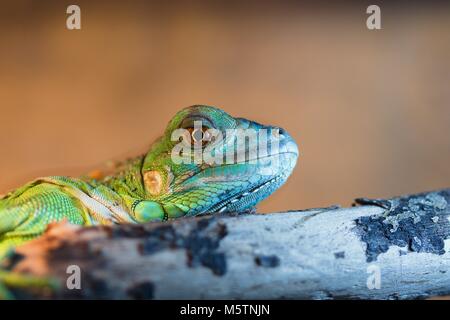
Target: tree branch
(383, 249)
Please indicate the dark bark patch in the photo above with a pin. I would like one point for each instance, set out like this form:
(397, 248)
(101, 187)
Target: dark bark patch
(201, 243)
(94, 287)
(160, 238)
(270, 261)
(11, 261)
(142, 291)
(417, 222)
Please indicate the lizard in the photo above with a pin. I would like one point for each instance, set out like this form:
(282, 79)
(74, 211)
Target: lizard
(154, 186)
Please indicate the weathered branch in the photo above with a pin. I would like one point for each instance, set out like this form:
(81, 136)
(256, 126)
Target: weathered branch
(314, 254)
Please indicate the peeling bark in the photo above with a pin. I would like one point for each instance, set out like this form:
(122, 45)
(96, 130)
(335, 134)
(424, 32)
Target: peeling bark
(328, 253)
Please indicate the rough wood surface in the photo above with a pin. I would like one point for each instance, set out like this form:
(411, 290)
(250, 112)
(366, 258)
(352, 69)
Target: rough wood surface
(328, 253)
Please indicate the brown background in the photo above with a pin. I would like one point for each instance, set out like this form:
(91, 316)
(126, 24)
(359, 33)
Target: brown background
(369, 109)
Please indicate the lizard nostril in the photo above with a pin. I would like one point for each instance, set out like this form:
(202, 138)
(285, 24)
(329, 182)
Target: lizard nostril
(279, 133)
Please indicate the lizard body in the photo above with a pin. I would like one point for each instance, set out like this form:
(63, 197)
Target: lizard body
(153, 187)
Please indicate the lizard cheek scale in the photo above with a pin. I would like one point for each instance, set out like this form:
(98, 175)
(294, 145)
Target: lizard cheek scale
(153, 182)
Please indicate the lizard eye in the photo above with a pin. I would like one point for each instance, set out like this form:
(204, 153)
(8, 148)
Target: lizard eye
(200, 135)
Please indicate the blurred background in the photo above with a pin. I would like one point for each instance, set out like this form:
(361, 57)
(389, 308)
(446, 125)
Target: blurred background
(370, 110)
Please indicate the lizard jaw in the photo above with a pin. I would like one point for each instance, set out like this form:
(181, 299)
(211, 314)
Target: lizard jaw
(250, 197)
(237, 203)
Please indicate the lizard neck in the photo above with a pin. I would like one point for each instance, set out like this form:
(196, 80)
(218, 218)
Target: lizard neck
(127, 179)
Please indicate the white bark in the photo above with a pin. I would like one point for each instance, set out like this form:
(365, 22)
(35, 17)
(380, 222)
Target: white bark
(313, 254)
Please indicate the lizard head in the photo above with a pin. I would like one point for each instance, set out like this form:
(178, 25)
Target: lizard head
(209, 161)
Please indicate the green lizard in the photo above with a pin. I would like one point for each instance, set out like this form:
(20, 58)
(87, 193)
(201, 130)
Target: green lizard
(156, 186)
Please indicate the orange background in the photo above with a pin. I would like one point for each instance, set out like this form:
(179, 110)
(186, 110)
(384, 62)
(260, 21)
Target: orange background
(369, 109)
